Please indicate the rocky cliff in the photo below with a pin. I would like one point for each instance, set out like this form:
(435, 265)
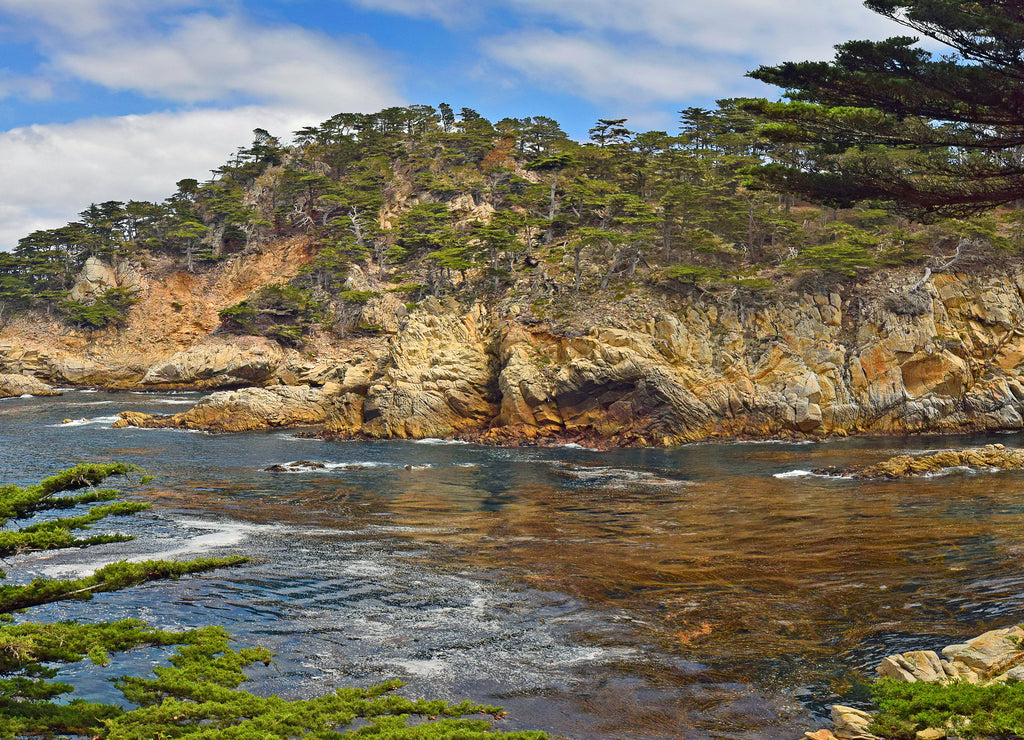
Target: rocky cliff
(647, 369)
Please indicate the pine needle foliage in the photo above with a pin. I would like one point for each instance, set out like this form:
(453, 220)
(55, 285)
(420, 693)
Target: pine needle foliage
(198, 694)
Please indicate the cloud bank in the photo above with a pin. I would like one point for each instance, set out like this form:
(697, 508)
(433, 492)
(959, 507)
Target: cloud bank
(212, 78)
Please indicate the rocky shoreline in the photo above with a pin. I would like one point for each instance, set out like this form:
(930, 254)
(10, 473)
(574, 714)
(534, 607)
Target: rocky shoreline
(994, 657)
(647, 370)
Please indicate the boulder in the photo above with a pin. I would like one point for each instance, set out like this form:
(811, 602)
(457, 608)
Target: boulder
(919, 665)
(851, 724)
(13, 385)
(243, 410)
(216, 365)
(95, 278)
(991, 654)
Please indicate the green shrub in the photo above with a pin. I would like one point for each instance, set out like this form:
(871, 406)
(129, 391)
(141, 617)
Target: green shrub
(108, 308)
(281, 311)
(971, 710)
(356, 296)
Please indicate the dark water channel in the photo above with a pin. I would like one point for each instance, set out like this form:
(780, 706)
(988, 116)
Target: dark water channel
(704, 591)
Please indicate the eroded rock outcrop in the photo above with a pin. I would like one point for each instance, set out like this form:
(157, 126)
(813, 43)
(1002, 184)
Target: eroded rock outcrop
(641, 370)
(438, 380)
(13, 385)
(823, 364)
(243, 410)
(251, 361)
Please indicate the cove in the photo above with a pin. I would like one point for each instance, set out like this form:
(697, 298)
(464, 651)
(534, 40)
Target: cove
(699, 591)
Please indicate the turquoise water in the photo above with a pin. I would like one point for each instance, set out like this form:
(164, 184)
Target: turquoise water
(704, 591)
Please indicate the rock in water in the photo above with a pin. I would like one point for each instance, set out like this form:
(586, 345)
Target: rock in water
(989, 457)
(243, 410)
(13, 385)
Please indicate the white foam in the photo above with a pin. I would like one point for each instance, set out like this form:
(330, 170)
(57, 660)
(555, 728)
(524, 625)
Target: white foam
(578, 446)
(955, 469)
(436, 441)
(808, 474)
(294, 438)
(423, 668)
(219, 534)
(322, 466)
(795, 474)
(105, 420)
(368, 569)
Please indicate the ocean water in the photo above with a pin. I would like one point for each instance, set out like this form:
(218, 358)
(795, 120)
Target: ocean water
(704, 591)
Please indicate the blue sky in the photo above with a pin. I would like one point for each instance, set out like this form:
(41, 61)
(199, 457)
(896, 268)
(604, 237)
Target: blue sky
(119, 99)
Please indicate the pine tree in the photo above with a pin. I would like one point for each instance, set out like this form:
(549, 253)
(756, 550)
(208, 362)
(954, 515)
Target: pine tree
(888, 119)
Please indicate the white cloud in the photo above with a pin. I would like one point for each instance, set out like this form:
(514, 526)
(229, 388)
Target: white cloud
(602, 71)
(81, 18)
(53, 172)
(643, 51)
(207, 58)
(280, 78)
(33, 87)
(449, 12)
(773, 30)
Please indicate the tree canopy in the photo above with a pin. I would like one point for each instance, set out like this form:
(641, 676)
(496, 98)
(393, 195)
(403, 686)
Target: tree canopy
(891, 120)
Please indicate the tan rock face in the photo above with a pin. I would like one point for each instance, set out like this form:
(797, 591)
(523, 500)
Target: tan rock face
(243, 410)
(12, 386)
(438, 380)
(218, 364)
(674, 372)
(96, 278)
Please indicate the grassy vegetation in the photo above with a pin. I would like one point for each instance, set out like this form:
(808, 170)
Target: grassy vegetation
(965, 710)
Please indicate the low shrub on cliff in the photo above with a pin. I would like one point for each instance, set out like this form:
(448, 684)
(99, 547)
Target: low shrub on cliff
(967, 710)
(280, 311)
(197, 695)
(108, 308)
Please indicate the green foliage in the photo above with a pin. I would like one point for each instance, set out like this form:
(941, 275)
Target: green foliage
(356, 296)
(198, 694)
(108, 308)
(31, 654)
(968, 710)
(693, 274)
(196, 697)
(888, 119)
(849, 252)
(465, 206)
(282, 311)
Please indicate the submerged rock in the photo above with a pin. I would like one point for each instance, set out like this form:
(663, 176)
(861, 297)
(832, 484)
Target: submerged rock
(989, 457)
(293, 467)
